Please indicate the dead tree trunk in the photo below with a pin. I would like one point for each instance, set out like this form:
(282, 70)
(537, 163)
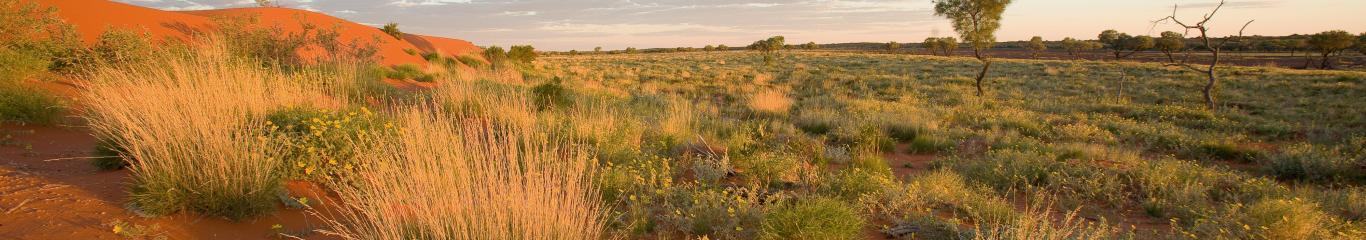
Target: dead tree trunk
(1214, 49)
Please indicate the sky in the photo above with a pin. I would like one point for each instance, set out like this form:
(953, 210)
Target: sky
(561, 25)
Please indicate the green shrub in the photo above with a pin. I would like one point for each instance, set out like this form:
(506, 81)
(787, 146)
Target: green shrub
(318, 143)
(1231, 151)
(1285, 219)
(16, 66)
(392, 30)
(722, 214)
(813, 218)
(118, 46)
(852, 183)
(471, 61)
(551, 94)
(404, 72)
(816, 121)
(1309, 162)
(26, 104)
(927, 143)
(523, 54)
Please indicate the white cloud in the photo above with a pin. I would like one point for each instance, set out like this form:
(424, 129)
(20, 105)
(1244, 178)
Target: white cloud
(869, 6)
(630, 29)
(518, 13)
(347, 12)
(408, 3)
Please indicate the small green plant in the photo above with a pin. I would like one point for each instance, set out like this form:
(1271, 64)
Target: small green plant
(472, 61)
(392, 30)
(319, 143)
(813, 218)
(26, 104)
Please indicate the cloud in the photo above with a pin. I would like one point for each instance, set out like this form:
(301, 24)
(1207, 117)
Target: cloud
(869, 6)
(408, 3)
(632, 29)
(518, 13)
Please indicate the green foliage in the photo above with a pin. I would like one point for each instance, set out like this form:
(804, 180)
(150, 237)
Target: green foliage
(408, 71)
(1308, 162)
(813, 218)
(496, 56)
(893, 46)
(1036, 45)
(550, 95)
(723, 214)
(472, 61)
(20, 103)
(117, 46)
(392, 30)
(523, 54)
(1171, 42)
(769, 48)
(321, 144)
(975, 21)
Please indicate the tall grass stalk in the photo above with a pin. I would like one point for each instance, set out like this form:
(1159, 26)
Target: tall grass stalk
(462, 176)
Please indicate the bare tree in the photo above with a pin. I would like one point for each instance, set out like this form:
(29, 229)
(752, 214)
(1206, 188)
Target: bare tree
(1210, 46)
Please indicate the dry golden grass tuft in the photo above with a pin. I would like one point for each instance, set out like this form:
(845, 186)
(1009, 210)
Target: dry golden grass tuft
(188, 119)
(771, 102)
(461, 176)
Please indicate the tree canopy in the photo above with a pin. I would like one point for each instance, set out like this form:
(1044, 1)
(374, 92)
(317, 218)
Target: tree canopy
(976, 21)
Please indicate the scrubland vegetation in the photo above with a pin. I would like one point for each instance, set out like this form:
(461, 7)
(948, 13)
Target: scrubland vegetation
(781, 144)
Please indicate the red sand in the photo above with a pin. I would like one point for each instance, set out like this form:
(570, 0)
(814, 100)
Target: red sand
(92, 17)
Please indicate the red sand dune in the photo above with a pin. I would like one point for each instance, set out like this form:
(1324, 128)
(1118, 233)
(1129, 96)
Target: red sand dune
(92, 17)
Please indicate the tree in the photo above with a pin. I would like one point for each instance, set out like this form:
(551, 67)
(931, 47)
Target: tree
(1330, 43)
(573, 52)
(722, 47)
(266, 3)
(811, 46)
(769, 48)
(1035, 46)
(948, 44)
(1171, 42)
(1119, 43)
(932, 44)
(893, 46)
(597, 50)
(976, 21)
(1072, 45)
(630, 50)
(392, 30)
(1209, 45)
(1361, 44)
(1109, 37)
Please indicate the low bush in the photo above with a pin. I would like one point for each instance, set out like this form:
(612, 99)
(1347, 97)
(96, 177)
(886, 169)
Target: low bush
(722, 214)
(319, 143)
(1308, 162)
(813, 218)
(472, 61)
(30, 105)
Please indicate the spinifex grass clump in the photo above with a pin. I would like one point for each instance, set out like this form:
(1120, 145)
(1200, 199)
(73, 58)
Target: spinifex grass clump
(187, 121)
(450, 176)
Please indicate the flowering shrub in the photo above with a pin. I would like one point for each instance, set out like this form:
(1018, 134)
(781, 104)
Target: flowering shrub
(322, 143)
